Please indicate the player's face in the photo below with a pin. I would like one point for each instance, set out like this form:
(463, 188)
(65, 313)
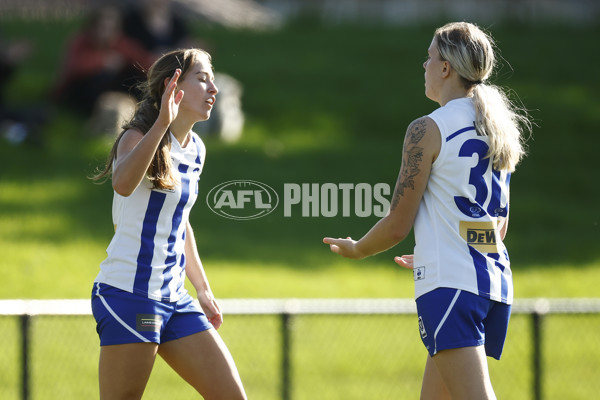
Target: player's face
(199, 89)
(433, 66)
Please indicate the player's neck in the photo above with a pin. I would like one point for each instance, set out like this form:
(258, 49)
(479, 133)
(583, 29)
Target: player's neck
(452, 92)
(180, 130)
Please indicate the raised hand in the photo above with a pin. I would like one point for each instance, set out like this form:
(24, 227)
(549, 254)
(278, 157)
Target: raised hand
(169, 106)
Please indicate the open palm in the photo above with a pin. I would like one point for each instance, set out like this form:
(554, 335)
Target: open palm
(171, 99)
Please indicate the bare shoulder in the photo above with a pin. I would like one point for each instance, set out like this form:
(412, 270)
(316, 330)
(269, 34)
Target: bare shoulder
(422, 128)
(128, 140)
(418, 154)
(424, 133)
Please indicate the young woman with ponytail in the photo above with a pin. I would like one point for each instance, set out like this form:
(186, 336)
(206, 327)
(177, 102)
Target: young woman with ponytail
(139, 299)
(453, 189)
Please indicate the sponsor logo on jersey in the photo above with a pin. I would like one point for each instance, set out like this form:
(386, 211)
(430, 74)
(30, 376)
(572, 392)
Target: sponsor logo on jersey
(481, 235)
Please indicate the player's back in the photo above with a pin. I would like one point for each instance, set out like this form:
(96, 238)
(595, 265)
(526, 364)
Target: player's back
(456, 229)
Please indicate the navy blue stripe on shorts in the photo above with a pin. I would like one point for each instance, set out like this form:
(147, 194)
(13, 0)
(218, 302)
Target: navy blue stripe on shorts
(123, 317)
(454, 318)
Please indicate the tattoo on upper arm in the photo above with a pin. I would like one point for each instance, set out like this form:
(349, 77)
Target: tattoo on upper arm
(411, 159)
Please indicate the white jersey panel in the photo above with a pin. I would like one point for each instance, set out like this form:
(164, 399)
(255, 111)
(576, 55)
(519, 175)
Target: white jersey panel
(146, 255)
(456, 228)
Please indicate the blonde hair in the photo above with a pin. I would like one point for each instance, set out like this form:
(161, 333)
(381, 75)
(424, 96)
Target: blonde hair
(470, 51)
(160, 171)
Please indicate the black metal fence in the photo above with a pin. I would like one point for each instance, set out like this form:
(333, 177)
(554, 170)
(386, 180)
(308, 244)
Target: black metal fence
(309, 349)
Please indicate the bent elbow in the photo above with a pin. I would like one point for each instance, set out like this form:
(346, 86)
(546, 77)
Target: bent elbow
(399, 233)
(121, 189)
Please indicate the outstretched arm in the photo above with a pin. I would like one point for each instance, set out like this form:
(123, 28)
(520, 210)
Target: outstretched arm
(421, 147)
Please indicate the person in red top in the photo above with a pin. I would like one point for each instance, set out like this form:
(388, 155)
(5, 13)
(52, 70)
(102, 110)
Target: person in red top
(100, 58)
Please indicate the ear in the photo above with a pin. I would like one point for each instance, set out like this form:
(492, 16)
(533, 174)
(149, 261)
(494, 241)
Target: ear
(446, 67)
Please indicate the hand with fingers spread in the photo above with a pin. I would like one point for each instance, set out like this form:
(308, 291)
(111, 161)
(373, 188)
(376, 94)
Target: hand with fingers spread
(171, 99)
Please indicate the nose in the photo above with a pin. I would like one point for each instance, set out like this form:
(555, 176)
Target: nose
(425, 64)
(213, 89)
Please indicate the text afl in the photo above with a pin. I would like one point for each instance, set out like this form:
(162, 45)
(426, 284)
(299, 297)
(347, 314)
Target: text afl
(249, 199)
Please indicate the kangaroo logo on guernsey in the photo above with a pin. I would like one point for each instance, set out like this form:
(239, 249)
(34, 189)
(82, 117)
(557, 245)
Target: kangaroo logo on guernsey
(242, 199)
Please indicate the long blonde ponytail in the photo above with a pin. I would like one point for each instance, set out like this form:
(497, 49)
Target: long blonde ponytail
(470, 52)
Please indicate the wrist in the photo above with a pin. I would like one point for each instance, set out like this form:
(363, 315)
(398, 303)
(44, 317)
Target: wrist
(161, 125)
(202, 290)
(358, 251)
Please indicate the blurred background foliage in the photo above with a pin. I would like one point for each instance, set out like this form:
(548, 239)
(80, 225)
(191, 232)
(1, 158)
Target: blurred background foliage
(323, 103)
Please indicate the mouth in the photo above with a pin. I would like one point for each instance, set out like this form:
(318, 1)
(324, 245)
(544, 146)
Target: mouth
(211, 101)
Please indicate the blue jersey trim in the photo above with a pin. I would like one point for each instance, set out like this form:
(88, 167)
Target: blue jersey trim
(144, 260)
(171, 259)
(458, 132)
(503, 280)
(182, 266)
(481, 271)
(198, 150)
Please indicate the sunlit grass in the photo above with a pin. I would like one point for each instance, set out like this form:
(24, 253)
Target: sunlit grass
(335, 113)
(331, 112)
(333, 357)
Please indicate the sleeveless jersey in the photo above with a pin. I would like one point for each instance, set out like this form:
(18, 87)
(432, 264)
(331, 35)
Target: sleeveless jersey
(146, 255)
(456, 228)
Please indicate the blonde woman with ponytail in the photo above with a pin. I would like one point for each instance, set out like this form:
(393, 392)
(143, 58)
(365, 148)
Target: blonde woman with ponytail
(139, 300)
(453, 189)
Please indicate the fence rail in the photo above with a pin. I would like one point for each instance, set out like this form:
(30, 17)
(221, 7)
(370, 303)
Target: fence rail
(307, 306)
(287, 309)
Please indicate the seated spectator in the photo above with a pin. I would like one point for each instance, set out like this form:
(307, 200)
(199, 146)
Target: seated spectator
(100, 59)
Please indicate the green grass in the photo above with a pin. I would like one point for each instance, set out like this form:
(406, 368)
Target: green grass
(333, 357)
(334, 102)
(336, 112)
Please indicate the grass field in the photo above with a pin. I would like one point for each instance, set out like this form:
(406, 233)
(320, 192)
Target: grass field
(333, 358)
(337, 112)
(334, 102)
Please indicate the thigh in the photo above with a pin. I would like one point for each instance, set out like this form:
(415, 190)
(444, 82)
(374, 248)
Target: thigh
(433, 387)
(187, 319)
(124, 369)
(203, 360)
(464, 372)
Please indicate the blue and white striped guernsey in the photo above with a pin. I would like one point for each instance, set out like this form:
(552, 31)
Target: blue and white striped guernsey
(146, 255)
(456, 228)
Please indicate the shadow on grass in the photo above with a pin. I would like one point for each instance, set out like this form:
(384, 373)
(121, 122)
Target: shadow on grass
(334, 112)
(54, 193)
